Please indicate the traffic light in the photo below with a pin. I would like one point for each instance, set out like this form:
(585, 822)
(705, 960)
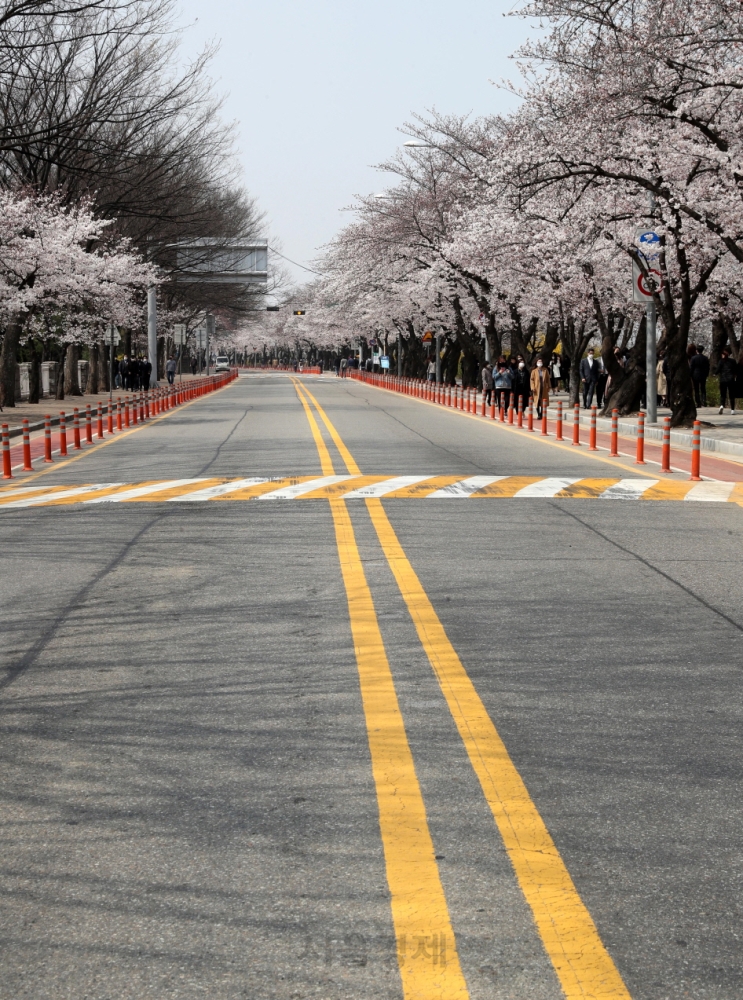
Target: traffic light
(299, 312)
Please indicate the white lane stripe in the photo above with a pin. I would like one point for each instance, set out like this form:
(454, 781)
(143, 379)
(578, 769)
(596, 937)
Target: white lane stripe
(716, 492)
(219, 491)
(23, 489)
(628, 489)
(142, 491)
(299, 489)
(465, 487)
(59, 495)
(545, 488)
(382, 489)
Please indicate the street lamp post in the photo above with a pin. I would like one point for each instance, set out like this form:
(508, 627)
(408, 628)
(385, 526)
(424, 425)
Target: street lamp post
(651, 378)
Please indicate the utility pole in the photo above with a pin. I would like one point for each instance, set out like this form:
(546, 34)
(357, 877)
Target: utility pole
(152, 333)
(438, 358)
(399, 354)
(651, 381)
(210, 330)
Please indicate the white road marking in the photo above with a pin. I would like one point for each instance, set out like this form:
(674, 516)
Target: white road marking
(219, 491)
(545, 488)
(628, 489)
(716, 492)
(464, 488)
(298, 490)
(142, 491)
(60, 494)
(382, 489)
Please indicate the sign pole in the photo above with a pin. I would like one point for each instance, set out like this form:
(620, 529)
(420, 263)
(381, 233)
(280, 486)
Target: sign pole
(111, 362)
(651, 380)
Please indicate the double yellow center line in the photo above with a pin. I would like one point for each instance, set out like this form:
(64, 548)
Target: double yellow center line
(582, 964)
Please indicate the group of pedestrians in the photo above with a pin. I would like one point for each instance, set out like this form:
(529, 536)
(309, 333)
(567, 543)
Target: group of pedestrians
(133, 373)
(512, 376)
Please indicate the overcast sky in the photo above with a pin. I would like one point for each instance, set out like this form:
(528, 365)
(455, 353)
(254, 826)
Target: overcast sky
(318, 89)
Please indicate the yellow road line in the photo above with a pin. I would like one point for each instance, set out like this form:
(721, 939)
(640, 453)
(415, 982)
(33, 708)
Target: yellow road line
(570, 937)
(426, 948)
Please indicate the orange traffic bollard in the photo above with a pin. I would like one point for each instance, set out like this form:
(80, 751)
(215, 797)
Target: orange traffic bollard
(27, 467)
(544, 418)
(501, 406)
(530, 420)
(7, 473)
(558, 429)
(576, 424)
(88, 424)
(119, 425)
(696, 452)
(640, 460)
(62, 435)
(665, 452)
(614, 450)
(135, 408)
(110, 417)
(76, 428)
(126, 411)
(520, 419)
(48, 438)
(592, 432)
(510, 408)
(99, 420)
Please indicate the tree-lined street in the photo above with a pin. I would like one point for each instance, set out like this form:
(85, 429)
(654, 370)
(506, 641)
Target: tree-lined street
(210, 760)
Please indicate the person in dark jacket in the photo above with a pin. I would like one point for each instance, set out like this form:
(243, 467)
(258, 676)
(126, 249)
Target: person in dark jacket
(590, 370)
(521, 386)
(727, 372)
(699, 365)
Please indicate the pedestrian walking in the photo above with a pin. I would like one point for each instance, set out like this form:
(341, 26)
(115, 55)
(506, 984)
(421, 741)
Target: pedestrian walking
(555, 372)
(539, 382)
(344, 366)
(432, 370)
(502, 383)
(727, 373)
(699, 365)
(170, 367)
(488, 383)
(661, 381)
(521, 385)
(589, 376)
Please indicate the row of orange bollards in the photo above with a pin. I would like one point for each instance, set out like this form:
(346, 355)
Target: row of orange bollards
(465, 400)
(142, 407)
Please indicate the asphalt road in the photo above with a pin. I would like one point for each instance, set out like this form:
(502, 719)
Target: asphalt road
(195, 799)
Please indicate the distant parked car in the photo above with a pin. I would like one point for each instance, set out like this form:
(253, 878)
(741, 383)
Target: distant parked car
(223, 364)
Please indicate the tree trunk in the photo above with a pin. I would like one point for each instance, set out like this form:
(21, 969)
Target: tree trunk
(93, 370)
(71, 379)
(59, 392)
(8, 359)
(104, 368)
(34, 375)
(627, 392)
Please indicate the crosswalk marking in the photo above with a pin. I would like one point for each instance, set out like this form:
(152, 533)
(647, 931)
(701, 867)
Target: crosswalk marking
(222, 489)
(140, 491)
(359, 487)
(545, 488)
(63, 494)
(385, 487)
(299, 489)
(464, 487)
